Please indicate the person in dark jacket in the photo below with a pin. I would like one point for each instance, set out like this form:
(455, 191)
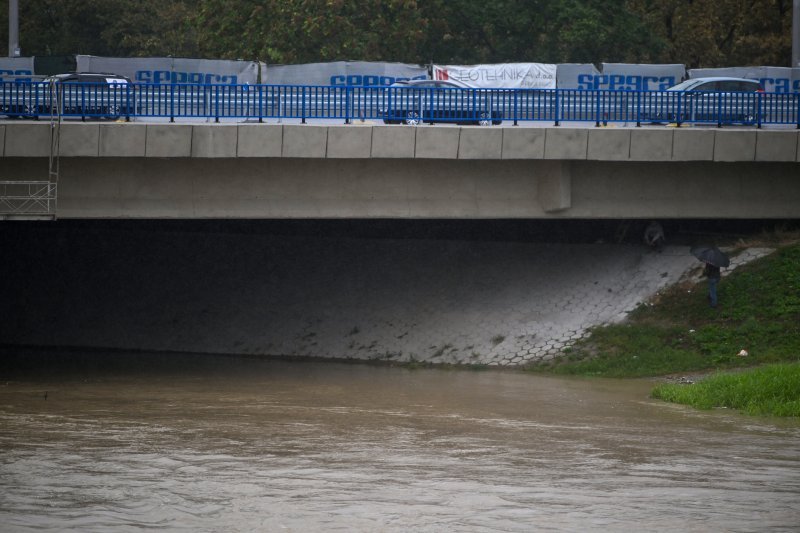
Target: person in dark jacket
(654, 236)
(713, 274)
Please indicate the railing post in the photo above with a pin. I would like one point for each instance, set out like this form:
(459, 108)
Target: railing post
(638, 109)
(216, 103)
(558, 107)
(431, 103)
(516, 106)
(127, 102)
(389, 108)
(36, 103)
(597, 108)
(302, 104)
(347, 110)
(260, 103)
(208, 101)
(759, 102)
(678, 111)
(719, 110)
(172, 102)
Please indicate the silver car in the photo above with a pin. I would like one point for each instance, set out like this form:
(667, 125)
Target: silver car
(719, 100)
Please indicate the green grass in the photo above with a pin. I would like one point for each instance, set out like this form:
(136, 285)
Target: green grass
(759, 312)
(769, 390)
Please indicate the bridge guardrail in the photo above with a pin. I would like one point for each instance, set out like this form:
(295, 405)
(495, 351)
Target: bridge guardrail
(412, 105)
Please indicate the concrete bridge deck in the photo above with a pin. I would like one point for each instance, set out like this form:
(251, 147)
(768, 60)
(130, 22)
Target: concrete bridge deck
(157, 170)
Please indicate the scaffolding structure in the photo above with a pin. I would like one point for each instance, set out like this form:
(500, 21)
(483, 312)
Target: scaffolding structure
(27, 199)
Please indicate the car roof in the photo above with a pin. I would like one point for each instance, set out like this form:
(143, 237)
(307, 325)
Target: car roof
(724, 78)
(70, 75)
(690, 83)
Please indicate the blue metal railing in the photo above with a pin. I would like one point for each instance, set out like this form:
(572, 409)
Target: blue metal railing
(411, 105)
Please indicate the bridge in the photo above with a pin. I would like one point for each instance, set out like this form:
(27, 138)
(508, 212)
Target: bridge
(366, 170)
(442, 301)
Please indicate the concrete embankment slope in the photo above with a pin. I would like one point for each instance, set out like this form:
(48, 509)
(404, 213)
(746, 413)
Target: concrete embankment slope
(443, 301)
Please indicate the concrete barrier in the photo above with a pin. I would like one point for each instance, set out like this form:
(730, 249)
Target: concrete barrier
(566, 143)
(693, 145)
(122, 140)
(349, 143)
(523, 143)
(27, 140)
(259, 140)
(651, 144)
(437, 143)
(776, 146)
(731, 145)
(393, 143)
(609, 144)
(79, 140)
(31, 139)
(480, 143)
(168, 140)
(305, 141)
(216, 140)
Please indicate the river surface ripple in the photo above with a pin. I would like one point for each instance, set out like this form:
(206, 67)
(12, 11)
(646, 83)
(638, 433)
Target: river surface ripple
(207, 444)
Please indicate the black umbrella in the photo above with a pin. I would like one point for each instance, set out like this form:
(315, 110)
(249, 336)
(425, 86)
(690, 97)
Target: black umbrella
(711, 254)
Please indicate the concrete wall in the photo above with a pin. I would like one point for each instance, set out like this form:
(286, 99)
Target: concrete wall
(391, 142)
(142, 170)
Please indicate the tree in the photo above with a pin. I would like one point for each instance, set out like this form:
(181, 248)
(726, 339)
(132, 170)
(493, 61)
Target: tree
(472, 31)
(720, 33)
(693, 32)
(105, 27)
(286, 31)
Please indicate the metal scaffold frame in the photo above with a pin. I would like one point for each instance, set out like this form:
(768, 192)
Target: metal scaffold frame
(37, 199)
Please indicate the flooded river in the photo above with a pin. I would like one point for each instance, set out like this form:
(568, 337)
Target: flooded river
(223, 444)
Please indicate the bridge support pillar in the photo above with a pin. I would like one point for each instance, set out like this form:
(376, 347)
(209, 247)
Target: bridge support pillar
(555, 185)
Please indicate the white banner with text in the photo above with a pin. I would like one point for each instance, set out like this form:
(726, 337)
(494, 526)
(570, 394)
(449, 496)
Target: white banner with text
(501, 75)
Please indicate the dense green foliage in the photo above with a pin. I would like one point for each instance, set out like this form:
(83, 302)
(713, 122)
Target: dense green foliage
(759, 312)
(719, 33)
(771, 390)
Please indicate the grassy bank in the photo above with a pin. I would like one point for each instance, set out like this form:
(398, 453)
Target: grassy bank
(759, 312)
(769, 390)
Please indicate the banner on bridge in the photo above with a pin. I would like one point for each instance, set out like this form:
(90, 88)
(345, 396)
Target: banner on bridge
(501, 75)
(342, 73)
(173, 70)
(773, 79)
(637, 77)
(16, 68)
(619, 76)
(575, 75)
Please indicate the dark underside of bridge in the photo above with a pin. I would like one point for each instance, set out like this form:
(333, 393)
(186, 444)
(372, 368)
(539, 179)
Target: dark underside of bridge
(216, 285)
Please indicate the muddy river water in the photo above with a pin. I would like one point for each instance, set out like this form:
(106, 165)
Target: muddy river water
(223, 444)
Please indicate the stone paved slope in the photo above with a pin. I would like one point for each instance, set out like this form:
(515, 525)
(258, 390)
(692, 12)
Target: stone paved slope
(444, 301)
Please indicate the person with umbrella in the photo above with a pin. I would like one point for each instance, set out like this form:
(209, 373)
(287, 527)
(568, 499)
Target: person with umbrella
(714, 259)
